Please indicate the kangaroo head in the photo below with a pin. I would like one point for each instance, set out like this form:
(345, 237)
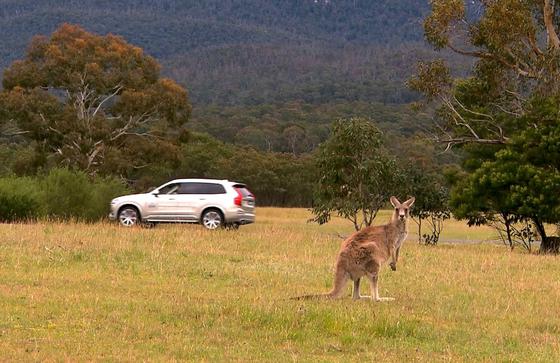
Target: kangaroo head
(401, 209)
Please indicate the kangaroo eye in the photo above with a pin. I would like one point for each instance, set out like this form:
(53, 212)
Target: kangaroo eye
(397, 209)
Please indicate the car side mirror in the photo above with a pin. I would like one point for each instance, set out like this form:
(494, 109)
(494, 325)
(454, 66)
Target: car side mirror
(155, 193)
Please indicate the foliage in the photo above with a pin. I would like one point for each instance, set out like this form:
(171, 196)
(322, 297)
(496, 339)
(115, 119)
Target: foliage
(61, 194)
(278, 179)
(92, 102)
(431, 205)
(66, 194)
(251, 52)
(19, 199)
(522, 183)
(356, 176)
(70, 194)
(267, 127)
(505, 114)
(515, 49)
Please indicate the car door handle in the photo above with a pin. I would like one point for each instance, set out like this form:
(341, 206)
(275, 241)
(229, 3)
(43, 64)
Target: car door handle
(201, 198)
(171, 198)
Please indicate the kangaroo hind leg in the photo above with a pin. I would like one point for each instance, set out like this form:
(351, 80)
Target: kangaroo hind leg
(373, 279)
(356, 293)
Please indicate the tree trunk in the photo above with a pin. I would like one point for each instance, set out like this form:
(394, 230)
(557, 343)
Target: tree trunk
(548, 15)
(419, 230)
(507, 222)
(548, 244)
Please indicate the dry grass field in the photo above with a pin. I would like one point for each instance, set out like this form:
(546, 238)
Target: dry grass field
(75, 292)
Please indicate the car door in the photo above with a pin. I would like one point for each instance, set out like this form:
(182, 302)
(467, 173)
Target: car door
(188, 201)
(196, 196)
(210, 195)
(163, 204)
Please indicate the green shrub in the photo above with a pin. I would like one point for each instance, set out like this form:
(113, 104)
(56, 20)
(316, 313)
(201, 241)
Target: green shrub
(19, 199)
(71, 194)
(66, 194)
(61, 194)
(103, 190)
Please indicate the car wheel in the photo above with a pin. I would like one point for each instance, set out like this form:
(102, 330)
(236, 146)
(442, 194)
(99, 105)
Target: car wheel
(212, 219)
(129, 216)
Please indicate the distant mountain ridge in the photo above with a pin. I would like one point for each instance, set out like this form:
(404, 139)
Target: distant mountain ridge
(259, 73)
(187, 34)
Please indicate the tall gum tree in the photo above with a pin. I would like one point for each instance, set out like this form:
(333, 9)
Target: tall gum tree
(516, 50)
(94, 103)
(516, 75)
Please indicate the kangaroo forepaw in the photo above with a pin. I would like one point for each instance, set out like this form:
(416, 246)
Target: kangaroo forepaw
(393, 266)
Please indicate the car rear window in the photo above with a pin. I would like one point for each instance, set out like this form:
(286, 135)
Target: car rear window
(201, 188)
(243, 190)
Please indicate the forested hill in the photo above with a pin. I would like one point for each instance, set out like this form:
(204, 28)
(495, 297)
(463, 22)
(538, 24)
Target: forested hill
(171, 27)
(242, 54)
(205, 43)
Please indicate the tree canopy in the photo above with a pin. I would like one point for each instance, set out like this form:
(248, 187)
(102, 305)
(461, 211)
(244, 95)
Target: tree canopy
(356, 176)
(505, 114)
(95, 103)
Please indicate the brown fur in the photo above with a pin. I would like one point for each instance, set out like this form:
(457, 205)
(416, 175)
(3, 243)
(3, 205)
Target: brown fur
(364, 252)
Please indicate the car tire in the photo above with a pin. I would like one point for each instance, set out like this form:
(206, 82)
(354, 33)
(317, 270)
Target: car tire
(212, 219)
(129, 216)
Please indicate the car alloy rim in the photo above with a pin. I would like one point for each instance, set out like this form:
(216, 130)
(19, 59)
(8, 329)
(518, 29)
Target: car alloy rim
(212, 220)
(128, 217)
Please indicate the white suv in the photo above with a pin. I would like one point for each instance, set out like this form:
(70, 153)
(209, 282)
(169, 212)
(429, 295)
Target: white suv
(213, 203)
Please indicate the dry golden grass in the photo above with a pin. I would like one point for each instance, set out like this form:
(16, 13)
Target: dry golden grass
(100, 292)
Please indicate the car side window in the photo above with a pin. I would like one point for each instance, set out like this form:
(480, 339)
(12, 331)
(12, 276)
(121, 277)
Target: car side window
(211, 188)
(188, 188)
(169, 189)
(201, 188)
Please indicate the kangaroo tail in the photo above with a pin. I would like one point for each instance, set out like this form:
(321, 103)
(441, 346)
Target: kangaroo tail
(340, 280)
(312, 297)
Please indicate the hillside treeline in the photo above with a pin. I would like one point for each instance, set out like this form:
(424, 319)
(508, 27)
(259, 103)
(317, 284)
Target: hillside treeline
(242, 56)
(298, 127)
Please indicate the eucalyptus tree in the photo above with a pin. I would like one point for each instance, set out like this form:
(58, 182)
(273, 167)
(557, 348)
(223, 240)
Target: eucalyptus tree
(504, 111)
(92, 102)
(356, 176)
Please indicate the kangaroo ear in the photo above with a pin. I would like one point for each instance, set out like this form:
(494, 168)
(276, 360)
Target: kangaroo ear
(395, 202)
(410, 202)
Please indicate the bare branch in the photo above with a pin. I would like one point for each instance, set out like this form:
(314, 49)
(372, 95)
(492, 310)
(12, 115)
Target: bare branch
(118, 88)
(471, 111)
(487, 55)
(533, 44)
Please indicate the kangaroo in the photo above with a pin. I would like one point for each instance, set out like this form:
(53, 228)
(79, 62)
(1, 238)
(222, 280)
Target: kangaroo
(365, 251)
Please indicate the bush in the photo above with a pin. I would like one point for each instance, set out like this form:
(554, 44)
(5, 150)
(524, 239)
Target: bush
(103, 190)
(71, 194)
(66, 194)
(19, 199)
(62, 194)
